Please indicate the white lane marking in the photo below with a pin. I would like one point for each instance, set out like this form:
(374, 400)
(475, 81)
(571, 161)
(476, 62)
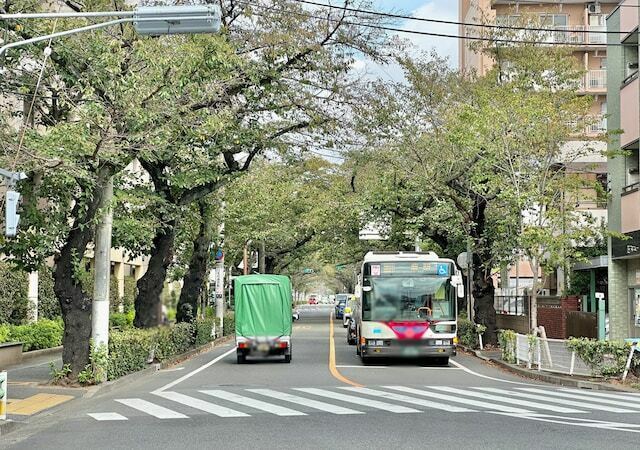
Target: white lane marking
(359, 400)
(564, 401)
(211, 408)
(363, 367)
(253, 403)
(193, 372)
(333, 409)
(174, 369)
(466, 401)
(609, 394)
(581, 397)
(511, 401)
(406, 399)
(151, 408)
(107, 416)
(471, 372)
(615, 426)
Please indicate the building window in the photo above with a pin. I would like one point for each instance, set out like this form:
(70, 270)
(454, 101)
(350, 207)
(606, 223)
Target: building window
(631, 163)
(630, 61)
(553, 20)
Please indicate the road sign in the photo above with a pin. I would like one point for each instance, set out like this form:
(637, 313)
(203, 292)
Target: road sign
(463, 260)
(3, 395)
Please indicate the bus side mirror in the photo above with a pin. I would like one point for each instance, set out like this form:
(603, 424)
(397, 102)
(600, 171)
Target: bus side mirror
(456, 281)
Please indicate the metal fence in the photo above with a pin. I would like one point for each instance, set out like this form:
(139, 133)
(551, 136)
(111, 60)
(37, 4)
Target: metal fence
(515, 305)
(551, 355)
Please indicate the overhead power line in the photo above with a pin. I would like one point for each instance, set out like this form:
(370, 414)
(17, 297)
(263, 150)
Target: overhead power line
(450, 22)
(424, 33)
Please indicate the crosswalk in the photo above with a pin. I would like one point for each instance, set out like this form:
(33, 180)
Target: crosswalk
(522, 401)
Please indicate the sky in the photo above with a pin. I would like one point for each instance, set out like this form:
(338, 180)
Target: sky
(432, 9)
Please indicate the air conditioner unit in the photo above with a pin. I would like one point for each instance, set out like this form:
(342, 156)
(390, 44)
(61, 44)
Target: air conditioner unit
(594, 8)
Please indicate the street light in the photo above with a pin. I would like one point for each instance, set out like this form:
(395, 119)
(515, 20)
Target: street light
(147, 20)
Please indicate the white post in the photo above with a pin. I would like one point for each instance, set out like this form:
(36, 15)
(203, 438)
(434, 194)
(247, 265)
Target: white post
(3, 395)
(102, 258)
(480, 341)
(539, 355)
(573, 363)
(33, 296)
(628, 365)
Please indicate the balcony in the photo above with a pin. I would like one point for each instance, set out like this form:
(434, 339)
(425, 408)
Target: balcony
(630, 208)
(577, 35)
(629, 104)
(594, 81)
(597, 125)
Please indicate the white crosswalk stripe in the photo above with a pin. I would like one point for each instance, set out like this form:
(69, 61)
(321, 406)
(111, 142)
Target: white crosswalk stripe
(196, 403)
(582, 397)
(564, 401)
(392, 399)
(359, 400)
(107, 416)
(151, 408)
(327, 407)
(610, 395)
(465, 401)
(406, 399)
(253, 403)
(511, 401)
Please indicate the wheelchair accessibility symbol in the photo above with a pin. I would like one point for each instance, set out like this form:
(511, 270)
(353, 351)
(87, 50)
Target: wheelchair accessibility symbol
(443, 269)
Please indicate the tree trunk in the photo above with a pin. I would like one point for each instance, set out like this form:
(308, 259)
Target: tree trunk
(75, 304)
(194, 278)
(484, 310)
(148, 304)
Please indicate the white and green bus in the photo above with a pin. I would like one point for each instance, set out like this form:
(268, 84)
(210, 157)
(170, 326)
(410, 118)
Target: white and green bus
(407, 306)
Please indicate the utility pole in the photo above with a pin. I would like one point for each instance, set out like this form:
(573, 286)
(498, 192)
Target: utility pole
(102, 259)
(220, 278)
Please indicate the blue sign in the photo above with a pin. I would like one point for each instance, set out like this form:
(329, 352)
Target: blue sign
(443, 270)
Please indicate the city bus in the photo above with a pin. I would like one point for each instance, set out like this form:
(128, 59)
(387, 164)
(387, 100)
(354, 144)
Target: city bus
(407, 306)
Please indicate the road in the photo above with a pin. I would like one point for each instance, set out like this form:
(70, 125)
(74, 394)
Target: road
(326, 399)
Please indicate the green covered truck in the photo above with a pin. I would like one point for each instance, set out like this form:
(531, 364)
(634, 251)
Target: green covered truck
(263, 316)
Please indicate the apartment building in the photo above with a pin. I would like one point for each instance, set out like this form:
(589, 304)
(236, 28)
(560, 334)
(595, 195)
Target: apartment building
(581, 24)
(624, 174)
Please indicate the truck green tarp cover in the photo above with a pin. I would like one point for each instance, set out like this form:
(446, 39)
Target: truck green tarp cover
(263, 305)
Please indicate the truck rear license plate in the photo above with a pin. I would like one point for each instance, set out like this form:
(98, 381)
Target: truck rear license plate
(263, 347)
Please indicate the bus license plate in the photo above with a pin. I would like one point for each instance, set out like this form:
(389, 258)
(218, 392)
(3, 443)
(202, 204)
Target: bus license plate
(410, 351)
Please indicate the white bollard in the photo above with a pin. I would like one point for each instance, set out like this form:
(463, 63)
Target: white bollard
(3, 395)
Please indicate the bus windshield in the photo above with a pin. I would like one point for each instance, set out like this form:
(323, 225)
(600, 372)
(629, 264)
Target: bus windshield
(410, 298)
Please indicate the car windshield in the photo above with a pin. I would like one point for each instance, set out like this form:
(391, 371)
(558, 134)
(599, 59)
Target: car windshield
(412, 298)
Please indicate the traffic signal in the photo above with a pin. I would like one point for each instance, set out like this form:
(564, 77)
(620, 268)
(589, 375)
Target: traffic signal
(11, 213)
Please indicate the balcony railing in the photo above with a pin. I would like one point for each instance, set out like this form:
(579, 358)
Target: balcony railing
(595, 80)
(598, 126)
(577, 35)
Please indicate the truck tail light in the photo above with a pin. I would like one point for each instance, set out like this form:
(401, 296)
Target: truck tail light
(243, 345)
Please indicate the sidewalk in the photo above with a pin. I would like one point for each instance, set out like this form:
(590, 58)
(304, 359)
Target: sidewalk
(495, 357)
(29, 392)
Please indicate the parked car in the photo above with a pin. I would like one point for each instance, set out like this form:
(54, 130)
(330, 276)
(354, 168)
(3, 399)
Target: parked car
(341, 303)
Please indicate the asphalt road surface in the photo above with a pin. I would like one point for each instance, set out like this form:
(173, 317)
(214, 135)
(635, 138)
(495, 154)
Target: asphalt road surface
(326, 399)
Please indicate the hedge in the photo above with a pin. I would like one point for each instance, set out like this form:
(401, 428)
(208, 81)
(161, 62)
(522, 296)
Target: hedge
(131, 350)
(606, 358)
(43, 334)
(14, 302)
(122, 320)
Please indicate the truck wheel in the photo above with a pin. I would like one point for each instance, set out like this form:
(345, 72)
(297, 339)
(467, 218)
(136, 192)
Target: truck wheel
(242, 358)
(442, 361)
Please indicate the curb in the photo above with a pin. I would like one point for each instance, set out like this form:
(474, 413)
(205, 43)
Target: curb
(549, 378)
(26, 356)
(8, 426)
(152, 368)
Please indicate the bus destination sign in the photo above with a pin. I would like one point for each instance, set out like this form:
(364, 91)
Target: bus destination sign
(409, 268)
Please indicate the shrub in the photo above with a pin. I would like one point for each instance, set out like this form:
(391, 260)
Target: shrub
(37, 336)
(467, 333)
(203, 331)
(48, 305)
(122, 320)
(229, 324)
(171, 341)
(606, 358)
(128, 351)
(14, 302)
(130, 289)
(4, 333)
(507, 339)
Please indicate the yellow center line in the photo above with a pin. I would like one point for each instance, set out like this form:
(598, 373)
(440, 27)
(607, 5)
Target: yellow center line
(332, 358)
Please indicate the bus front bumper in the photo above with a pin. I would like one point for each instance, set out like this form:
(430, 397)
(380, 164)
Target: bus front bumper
(404, 349)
